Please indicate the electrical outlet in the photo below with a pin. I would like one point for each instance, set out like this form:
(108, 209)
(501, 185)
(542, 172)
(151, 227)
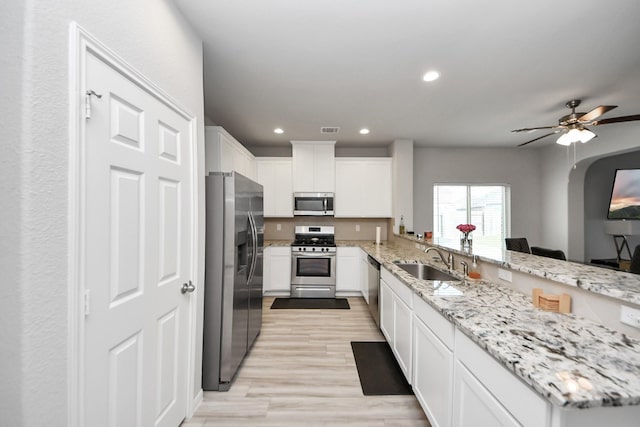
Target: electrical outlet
(357, 227)
(505, 275)
(630, 316)
(279, 227)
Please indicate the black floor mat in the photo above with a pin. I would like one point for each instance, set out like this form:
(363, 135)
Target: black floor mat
(378, 370)
(326, 303)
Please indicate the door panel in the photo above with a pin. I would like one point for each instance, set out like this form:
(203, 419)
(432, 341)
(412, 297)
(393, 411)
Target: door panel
(138, 212)
(125, 382)
(126, 235)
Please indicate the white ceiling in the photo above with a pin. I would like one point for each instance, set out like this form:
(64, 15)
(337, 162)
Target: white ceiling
(303, 64)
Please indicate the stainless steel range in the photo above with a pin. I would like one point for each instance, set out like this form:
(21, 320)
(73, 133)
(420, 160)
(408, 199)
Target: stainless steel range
(313, 262)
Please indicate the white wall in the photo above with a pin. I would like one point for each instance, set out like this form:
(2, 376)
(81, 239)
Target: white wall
(11, 155)
(518, 168)
(153, 37)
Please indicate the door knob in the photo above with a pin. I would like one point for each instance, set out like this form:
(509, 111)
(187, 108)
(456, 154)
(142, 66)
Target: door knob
(188, 287)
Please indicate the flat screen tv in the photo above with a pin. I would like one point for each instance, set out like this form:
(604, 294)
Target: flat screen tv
(625, 195)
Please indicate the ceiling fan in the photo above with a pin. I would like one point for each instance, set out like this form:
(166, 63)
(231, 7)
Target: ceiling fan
(574, 126)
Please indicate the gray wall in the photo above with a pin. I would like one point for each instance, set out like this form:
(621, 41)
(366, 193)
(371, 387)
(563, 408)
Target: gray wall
(597, 191)
(152, 36)
(518, 168)
(563, 185)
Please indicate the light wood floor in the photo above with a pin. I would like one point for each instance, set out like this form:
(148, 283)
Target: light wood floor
(301, 372)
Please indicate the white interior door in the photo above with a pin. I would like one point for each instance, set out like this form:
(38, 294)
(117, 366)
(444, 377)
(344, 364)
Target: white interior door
(138, 254)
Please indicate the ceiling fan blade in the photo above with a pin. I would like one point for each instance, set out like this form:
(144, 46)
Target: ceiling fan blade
(540, 137)
(595, 113)
(620, 119)
(534, 129)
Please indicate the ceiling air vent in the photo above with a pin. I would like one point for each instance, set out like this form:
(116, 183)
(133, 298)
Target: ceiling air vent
(329, 129)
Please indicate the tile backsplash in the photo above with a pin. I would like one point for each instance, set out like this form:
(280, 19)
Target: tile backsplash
(345, 228)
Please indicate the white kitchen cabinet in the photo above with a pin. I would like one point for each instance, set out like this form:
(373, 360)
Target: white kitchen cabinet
(313, 166)
(277, 270)
(476, 406)
(275, 175)
(363, 187)
(396, 319)
(364, 275)
(433, 363)
(223, 153)
(348, 270)
(386, 310)
(484, 388)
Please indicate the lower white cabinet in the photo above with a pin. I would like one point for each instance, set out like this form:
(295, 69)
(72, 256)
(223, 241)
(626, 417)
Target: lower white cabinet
(433, 363)
(364, 275)
(458, 384)
(277, 270)
(396, 319)
(348, 270)
(386, 310)
(475, 405)
(515, 398)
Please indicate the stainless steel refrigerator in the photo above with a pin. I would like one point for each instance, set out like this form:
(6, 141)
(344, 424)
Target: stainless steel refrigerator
(233, 275)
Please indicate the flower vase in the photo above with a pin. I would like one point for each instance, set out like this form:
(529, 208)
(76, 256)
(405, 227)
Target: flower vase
(466, 240)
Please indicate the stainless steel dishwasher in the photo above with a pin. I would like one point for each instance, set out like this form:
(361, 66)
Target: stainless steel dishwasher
(373, 279)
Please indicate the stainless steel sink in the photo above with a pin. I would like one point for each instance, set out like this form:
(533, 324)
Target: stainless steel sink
(425, 272)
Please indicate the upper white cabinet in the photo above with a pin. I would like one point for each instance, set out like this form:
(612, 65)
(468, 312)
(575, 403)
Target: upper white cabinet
(363, 187)
(274, 173)
(223, 153)
(313, 166)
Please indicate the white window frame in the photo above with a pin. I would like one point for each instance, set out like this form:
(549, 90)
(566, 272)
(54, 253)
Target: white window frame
(506, 203)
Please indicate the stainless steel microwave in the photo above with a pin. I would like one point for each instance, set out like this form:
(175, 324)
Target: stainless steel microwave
(313, 204)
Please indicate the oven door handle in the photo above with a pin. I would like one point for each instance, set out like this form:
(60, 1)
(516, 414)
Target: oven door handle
(314, 254)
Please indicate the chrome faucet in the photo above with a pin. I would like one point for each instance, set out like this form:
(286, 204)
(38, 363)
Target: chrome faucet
(465, 268)
(449, 262)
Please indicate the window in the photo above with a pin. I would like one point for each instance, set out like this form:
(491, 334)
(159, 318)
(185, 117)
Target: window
(485, 206)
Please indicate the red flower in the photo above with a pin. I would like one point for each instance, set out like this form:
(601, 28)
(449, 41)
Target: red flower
(466, 228)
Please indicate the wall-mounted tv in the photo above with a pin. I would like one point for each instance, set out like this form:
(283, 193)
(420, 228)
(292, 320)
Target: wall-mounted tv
(625, 195)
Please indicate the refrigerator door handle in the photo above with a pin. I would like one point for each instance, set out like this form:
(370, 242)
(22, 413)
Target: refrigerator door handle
(254, 247)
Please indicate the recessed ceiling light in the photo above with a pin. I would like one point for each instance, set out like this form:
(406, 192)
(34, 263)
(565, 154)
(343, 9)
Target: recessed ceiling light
(278, 130)
(364, 131)
(430, 76)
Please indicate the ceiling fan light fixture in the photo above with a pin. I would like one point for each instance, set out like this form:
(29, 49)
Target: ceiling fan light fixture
(586, 135)
(564, 140)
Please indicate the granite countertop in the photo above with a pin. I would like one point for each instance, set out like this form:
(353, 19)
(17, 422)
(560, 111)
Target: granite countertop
(615, 284)
(571, 361)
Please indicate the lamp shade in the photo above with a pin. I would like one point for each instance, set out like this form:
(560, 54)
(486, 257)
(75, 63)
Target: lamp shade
(564, 139)
(586, 135)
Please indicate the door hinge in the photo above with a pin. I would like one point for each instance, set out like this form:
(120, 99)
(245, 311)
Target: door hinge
(87, 299)
(87, 102)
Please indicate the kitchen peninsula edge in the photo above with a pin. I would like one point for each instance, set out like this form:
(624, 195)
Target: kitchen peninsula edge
(534, 345)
